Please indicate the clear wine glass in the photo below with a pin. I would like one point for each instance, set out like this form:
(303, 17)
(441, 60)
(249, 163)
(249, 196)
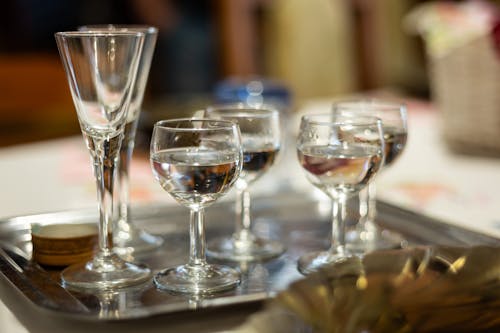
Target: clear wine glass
(128, 238)
(261, 140)
(340, 155)
(101, 68)
(196, 161)
(367, 236)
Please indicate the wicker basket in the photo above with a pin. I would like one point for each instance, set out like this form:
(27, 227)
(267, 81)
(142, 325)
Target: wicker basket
(466, 87)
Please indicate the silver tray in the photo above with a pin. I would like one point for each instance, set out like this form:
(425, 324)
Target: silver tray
(301, 222)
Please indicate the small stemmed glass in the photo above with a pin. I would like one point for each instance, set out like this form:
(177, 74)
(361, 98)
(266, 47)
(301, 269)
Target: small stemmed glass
(101, 68)
(340, 155)
(128, 238)
(367, 236)
(261, 139)
(196, 161)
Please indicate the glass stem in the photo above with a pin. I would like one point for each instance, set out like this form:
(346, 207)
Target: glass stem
(367, 212)
(125, 154)
(243, 222)
(363, 208)
(338, 225)
(126, 151)
(197, 238)
(105, 161)
(372, 202)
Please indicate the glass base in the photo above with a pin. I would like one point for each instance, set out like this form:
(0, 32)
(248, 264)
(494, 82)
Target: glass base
(251, 249)
(199, 279)
(104, 272)
(135, 241)
(371, 238)
(314, 261)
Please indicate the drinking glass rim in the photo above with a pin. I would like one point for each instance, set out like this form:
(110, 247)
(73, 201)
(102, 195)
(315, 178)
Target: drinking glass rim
(265, 109)
(164, 124)
(100, 33)
(356, 120)
(144, 28)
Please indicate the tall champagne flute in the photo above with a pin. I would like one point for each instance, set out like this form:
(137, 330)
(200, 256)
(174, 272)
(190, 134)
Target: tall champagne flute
(128, 238)
(367, 235)
(261, 140)
(340, 156)
(101, 68)
(196, 161)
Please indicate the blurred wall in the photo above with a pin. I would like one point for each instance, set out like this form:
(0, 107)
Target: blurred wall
(317, 48)
(311, 46)
(324, 47)
(388, 55)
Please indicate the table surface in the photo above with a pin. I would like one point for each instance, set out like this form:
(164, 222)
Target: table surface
(428, 178)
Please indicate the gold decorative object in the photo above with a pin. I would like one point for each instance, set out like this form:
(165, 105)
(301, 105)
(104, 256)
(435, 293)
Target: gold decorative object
(434, 289)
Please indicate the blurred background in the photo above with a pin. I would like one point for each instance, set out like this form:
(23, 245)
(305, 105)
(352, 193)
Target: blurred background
(207, 51)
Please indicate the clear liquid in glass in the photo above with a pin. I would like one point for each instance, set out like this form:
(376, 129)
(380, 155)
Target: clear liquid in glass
(194, 176)
(334, 168)
(256, 162)
(395, 141)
